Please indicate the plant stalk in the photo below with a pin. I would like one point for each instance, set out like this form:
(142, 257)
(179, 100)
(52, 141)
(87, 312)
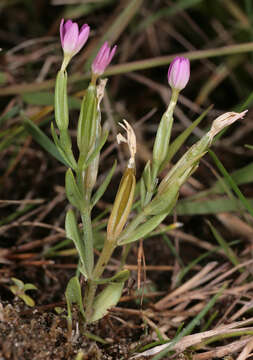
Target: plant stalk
(98, 271)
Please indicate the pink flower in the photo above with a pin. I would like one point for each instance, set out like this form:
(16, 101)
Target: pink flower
(103, 59)
(179, 73)
(72, 40)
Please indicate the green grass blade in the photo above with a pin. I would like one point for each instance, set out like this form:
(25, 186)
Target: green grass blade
(225, 246)
(231, 182)
(12, 112)
(189, 328)
(46, 98)
(203, 207)
(42, 139)
(168, 11)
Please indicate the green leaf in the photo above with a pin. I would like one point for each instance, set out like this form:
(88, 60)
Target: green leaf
(73, 233)
(42, 139)
(66, 160)
(143, 229)
(73, 194)
(73, 295)
(106, 299)
(162, 202)
(46, 98)
(121, 276)
(27, 299)
(11, 113)
(29, 287)
(102, 188)
(18, 282)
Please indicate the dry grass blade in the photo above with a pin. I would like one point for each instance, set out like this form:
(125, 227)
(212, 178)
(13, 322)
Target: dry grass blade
(193, 282)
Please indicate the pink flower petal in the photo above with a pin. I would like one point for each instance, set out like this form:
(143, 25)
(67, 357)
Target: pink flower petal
(83, 37)
(70, 37)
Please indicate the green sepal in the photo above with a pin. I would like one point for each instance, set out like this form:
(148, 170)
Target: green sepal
(83, 161)
(98, 148)
(61, 101)
(87, 123)
(58, 145)
(162, 140)
(106, 299)
(142, 192)
(102, 188)
(147, 176)
(73, 233)
(73, 295)
(73, 194)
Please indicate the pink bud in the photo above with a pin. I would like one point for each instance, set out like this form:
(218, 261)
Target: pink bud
(72, 40)
(179, 73)
(103, 59)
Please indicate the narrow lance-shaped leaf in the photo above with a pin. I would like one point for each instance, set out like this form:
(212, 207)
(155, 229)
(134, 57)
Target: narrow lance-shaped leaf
(73, 233)
(73, 194)
(101, 190)
(73, 295)
(106, 299)
(59, 147)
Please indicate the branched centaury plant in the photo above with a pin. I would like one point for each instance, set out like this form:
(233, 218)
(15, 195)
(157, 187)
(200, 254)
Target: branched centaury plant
(156, 200)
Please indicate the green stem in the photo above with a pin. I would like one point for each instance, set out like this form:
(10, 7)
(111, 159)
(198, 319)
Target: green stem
(98, 271)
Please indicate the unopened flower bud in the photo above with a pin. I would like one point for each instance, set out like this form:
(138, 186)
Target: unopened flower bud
(103, 59)
(72, 40)
(179, 73)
